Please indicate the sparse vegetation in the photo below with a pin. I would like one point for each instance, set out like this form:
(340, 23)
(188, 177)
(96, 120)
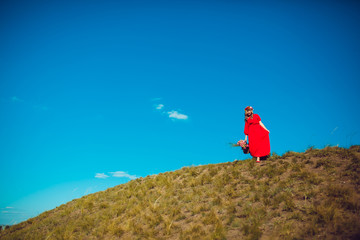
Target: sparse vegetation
(310, 195)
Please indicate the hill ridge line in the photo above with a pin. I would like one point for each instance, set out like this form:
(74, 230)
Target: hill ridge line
(306, 195)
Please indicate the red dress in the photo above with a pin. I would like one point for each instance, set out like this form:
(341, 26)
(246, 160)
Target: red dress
(259, 141)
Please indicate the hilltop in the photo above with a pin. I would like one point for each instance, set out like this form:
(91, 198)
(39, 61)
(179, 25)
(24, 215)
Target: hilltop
(310, 195)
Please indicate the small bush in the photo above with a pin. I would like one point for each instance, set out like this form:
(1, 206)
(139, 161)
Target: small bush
(323, 214)
(295, 167)
(355, 148)
(219, 232)
(251, 228)
(310, 149)
(337, 191)
(289, 205)
(274, 157)
(103, 205)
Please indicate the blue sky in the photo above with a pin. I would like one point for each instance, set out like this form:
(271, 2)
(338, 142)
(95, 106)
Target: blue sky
(96, 93)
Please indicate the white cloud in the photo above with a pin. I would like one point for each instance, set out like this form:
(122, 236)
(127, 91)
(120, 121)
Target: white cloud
(123, 174)
(177, 115)
(173, 114)
(101, 175)
(117, 174)
(159, 106)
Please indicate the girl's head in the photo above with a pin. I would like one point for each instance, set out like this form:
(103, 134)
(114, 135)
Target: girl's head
(249, 111)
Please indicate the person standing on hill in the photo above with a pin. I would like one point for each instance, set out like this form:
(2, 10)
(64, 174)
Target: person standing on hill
(259, 141)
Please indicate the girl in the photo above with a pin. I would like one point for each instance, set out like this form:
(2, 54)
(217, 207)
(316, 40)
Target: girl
(259, 142)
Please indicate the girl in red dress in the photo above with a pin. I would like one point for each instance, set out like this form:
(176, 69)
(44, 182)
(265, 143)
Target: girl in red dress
(259, 141)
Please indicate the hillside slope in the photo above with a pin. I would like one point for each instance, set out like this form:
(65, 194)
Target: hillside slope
(311, 195)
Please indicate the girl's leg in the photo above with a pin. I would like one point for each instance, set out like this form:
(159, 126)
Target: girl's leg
(257, 159)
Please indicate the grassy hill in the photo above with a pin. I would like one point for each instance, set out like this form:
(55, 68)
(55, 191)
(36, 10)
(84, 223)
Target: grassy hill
(310, 195)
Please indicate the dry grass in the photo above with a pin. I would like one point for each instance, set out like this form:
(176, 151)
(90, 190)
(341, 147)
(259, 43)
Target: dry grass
(311, 195)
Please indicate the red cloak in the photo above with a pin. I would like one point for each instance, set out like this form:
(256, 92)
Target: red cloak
(259, 141)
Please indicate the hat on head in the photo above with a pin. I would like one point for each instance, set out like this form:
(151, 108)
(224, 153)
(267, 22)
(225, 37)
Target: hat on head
(249, 108)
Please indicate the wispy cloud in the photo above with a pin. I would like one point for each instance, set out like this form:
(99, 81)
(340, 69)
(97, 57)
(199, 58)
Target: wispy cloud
(121, 174)
(176, 115)
(117, 174)
(101, 175)
(6, 209)
(11, 211)
(159, 106)
(334, 130)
